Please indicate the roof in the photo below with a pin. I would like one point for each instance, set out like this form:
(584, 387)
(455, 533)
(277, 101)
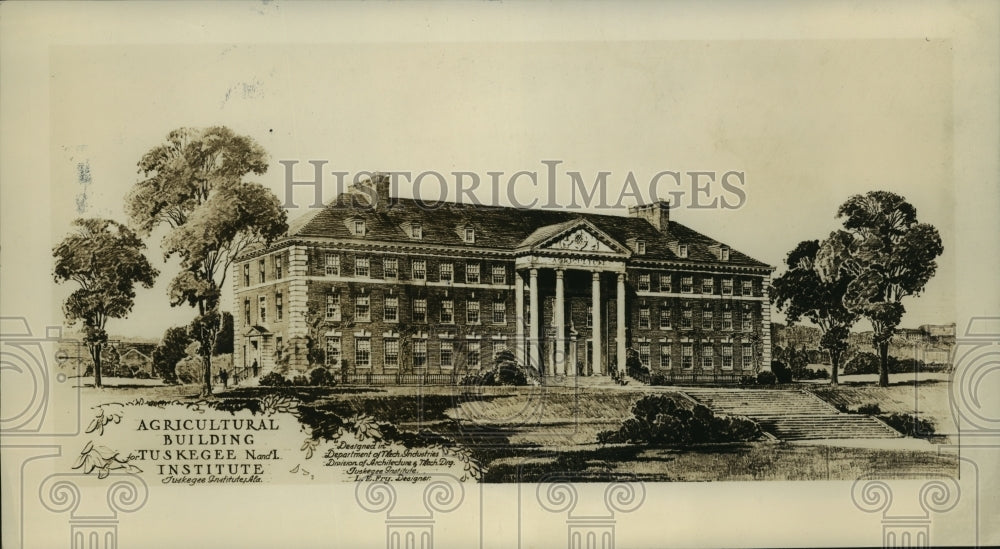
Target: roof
(501, 227)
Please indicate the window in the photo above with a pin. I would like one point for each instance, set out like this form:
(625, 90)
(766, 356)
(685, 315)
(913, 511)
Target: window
(687, 285)
(470, 235)
(416, 231)
(246, 274)
(498, 347)
(686, 318)
(278, 346)
(279, 304)
(362, 267)
(419, 269)
(724, 253)
(707, 285)
(420, 310)
(640, 247)
(644, 282)
(707, 357)
(262, 302)
(747, 356)
(390, 312)
(390, 267)
(727, 320)
(362, 309)
(333, 307)
(590, 316)
(727, 286)
(359, 227)
(747, 287)
(687, 356)
(665, 283)
(363, 352)
(499, 312)
(332, 264)
(727, 356)
(391, 353)
(447, 312)
(277, 266)
(246, 312)
(333, 351)
(665, 318)
(682, 250)
(472, 312)
(747, 320)
(419, 353)
(644, 318)
(472, 354)
(706, 319)
(446, 272)
(260, 270)
(499, 274)
(472, 273)
(446, 353)
(644, 353)
(665, 356)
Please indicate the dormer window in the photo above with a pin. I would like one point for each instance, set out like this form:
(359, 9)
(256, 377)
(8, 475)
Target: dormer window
(470, 235)
(359, 227)
(682, 250)
(416, 231)
(724, 253)
(640, 247)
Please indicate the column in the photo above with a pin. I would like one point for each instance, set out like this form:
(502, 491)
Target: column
(559, 321)
(534, 339)
(595, 305)
(519, 348)
(621, 322)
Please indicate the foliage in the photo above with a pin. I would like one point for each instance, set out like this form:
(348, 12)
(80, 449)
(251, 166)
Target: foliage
(505, 371)
(633, 366)
(888, 255)
(274, 379)
(103, 460)
(660, 419)
(190, 369)
(909, 425)
(224, 340)
(194, 184)
(782, 373)
(869, 409)
(169, 352)
(322, 377)
(766, 378)
(801, 291)
(105, 259)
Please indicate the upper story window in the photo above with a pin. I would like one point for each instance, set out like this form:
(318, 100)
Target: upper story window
(390, 267)
(707, 285)
(390, 311)
(682, 250)
(277, 266)
(472, 273)
(260, 271)
(499, 274)
(499, 312)
(246, 274)
(472, 312)
(362, 267)
(724, 253)
(420, 310)
(416, 231)
(747, 287)
(419, 268)
(470, 235)
(262, 302)
(666, 282)
(687, 285)
(362, 309)
(447, 312)
(446, 272)
(279, 306)
(333, 307)
(359, 227)
(727, 286)
(640, 247)
(643, 285)
(332, 266)
(246, 312)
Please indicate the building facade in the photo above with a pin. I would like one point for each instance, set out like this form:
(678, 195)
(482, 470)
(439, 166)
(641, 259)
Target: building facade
(372, 285)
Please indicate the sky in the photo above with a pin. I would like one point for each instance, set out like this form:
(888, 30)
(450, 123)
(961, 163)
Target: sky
(807, 122)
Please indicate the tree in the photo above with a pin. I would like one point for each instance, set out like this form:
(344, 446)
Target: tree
(105, 259)
(169, 352)
(888, 255)
(801, 291)
(194, 184)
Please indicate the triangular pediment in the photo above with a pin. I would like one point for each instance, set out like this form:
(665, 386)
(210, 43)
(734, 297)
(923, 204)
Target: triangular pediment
(578, 235)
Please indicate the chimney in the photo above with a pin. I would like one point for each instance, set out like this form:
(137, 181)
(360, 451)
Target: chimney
(374, 190)
(657, 214)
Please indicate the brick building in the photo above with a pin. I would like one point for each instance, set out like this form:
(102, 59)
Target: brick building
(384, 288)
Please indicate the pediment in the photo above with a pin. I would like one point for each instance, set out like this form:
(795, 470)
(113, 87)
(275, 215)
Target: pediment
(578, 235)
(580, 240)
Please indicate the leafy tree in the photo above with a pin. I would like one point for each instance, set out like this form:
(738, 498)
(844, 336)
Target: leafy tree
(170, 351)
(105, 259)
(887, 254)
(801, 292)
(194, 184)
(225, 340)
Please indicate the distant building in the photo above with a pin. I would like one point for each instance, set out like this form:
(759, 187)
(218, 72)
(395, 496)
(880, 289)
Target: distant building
(398, 287)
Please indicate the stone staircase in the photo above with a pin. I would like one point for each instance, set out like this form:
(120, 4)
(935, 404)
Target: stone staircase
(792, 414)
(582, 381)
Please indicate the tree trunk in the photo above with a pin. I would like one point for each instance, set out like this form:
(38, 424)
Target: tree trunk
(95, 353)
(834, 366)
(883, 375)
(206, 389)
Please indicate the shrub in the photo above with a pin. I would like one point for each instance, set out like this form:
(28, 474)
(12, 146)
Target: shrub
(274, 379)
(766, 378)
(504, 374)
(659, 379)
(190, 370)
(869, 409)
(781, 372)
(909, 425)
(660, 419)
(321, 377)
(633, 366)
